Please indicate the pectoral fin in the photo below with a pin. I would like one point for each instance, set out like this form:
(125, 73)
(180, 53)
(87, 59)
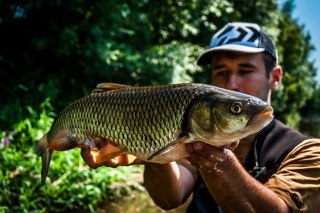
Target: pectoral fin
(167, 147)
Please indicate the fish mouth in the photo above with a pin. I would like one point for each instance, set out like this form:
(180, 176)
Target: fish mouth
(262, 119)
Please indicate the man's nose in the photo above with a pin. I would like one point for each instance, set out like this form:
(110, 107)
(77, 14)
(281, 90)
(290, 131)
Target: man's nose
(233, 83)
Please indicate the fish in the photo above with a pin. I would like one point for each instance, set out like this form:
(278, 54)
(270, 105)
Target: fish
(153, 123)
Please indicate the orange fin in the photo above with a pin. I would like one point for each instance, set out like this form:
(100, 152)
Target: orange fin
(107, 153)
(105, 87)
(126, 159)
(62, 142)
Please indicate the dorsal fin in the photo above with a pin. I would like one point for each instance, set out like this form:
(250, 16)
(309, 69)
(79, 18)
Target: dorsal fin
(105, 87)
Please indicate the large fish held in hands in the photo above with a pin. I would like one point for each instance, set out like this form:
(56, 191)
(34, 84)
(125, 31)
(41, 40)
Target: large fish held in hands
(152, 123)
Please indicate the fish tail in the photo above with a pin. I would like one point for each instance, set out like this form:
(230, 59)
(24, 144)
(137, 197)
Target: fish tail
(45, 154)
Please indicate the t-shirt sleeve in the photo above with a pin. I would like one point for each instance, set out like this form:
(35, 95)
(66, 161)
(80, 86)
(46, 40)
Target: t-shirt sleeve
(297, 180)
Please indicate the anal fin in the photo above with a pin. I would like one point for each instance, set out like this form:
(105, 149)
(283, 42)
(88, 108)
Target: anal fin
(62, 144)
(107, 153)
(126, 159)
(62, 141)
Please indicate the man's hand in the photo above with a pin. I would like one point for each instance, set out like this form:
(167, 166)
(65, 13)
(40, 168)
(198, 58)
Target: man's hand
(205, 156)
(122, 160)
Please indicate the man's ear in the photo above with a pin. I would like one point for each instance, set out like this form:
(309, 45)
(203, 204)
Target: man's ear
(275, 77)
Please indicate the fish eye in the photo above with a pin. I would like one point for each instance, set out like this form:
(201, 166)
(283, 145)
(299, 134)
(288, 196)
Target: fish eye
(236, 107)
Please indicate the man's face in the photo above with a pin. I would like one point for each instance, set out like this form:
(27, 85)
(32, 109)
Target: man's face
(242, 72)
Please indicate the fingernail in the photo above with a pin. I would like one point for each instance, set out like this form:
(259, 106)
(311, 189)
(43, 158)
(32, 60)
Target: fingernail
(198, 146)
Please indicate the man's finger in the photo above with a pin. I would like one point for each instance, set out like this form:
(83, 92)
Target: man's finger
(87, 155)
(89, 159)
(231, 146)
(100, 142)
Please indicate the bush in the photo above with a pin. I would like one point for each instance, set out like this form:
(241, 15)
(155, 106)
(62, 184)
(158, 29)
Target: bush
(71, 186)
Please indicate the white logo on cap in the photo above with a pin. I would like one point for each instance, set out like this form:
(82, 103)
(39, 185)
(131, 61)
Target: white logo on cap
(237, 33)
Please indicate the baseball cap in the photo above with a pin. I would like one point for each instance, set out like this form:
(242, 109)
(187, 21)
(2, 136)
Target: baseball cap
(240, 37)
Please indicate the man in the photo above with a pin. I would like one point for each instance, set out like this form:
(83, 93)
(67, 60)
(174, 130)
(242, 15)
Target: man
(275, 170)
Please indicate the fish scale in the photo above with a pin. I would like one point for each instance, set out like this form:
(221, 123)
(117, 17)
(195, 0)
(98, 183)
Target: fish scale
(122, 113)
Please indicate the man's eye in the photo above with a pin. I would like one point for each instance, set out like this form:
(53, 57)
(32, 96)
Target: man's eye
(220, 73)
(245, 71)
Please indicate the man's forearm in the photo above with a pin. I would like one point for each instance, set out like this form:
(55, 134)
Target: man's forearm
(168, 184)
(236, 191)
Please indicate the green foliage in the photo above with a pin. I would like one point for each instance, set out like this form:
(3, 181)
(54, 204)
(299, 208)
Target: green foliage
(294, 48)
(312, 106)
(71, 185)
(63, 49)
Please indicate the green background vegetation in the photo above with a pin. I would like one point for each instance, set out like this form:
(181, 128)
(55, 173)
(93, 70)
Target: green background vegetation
(54, 52)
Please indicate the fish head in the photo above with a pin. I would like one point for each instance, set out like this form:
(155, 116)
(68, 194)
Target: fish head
(225, 116)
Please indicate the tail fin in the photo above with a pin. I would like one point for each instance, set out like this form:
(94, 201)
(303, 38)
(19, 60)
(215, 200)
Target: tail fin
(45, 154)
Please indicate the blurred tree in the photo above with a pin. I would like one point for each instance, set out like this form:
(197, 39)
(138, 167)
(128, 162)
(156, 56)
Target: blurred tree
(312, 106)
(294, 47)
(62, 49)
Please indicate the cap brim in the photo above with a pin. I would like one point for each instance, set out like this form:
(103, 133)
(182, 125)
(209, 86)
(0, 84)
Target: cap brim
(206, 56)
